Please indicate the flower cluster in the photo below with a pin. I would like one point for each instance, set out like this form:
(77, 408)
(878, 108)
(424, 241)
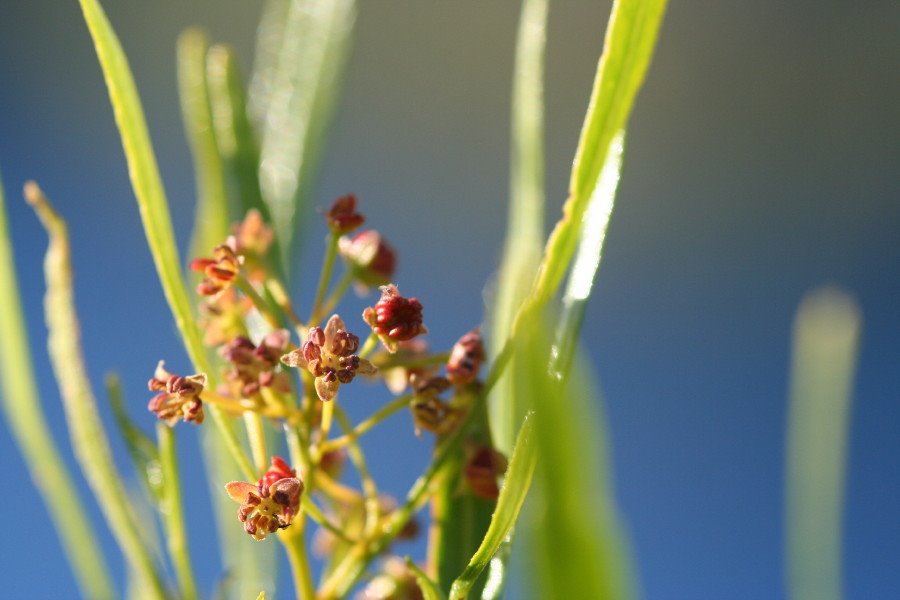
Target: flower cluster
(269, 505)
(253, 367)
(178, 397)
(220, 271)
(466, 358)
(394, 318)
(330, 356)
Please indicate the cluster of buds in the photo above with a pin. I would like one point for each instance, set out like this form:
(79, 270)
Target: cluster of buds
(371, 259)
(253, 367)
(219, 272)
(483, 466)
(394, 318)
(466, 358)
(271, 504)
(428, 410)
(330, 356)
(342, 216)
(251, 240)
(178, 397)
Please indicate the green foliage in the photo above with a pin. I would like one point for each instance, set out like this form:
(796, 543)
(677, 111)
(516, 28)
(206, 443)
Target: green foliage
(25, 416)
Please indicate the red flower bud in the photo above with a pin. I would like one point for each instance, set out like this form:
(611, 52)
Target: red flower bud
(342, 216)
(395, 318)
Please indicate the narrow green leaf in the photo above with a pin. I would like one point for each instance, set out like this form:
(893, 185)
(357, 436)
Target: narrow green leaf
(23, 411)
(151, 198)
(212, 216)
(630, 40)
(587, 259)
(459, 517)
(826, 340)
(89, 440)
(430, 590)
(173, 514)
(575, 542)
(525, 222)
(143, 452)
(300, 98)
(512, 496)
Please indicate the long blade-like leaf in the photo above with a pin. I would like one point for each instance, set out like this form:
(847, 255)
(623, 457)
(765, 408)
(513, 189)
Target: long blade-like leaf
(154, 209)
(587, 259)
(298, 105)
(630, 39)
(173, 513)
(826, 338)
(525, 222)
(576, 544)
(28, 425)
(512, 496)
(212, 215)
(89, 439)
(429, 589)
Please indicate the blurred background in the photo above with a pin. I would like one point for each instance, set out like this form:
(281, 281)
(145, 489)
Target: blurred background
(762, 161)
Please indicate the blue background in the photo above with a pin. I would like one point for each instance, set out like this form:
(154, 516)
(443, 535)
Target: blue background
(762, 161)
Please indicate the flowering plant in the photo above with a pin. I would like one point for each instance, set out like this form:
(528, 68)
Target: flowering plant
(267, 385)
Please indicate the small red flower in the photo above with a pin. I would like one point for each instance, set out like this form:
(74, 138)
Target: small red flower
(178, 397)
(394, 318)
(279, 470)
(220, 271)
(330, 355)
(466, 358)
(266, 508)
(372, 260)
(342, 216)
(254, 367)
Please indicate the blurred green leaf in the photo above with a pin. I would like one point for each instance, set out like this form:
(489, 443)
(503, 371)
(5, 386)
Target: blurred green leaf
(293, 101)
(143, 452)
(512, 496)
(826, 340)
(430, 591)
(89, 440)
(212, 216)
(525, 221)
(173, 514)
(154, 209)
(576, 545)
(29, 427)
(630, 40)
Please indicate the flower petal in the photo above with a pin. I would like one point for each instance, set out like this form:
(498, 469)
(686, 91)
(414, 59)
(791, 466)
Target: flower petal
(239, 491)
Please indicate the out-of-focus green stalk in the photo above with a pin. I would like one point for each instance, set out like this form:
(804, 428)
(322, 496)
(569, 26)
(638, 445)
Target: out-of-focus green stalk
(295, 105)
(212, 214)
(25, 416)
(826, 339)
(429, 589)
(525, 219)
(293, 541)
(154, 209)
(143, 452)
(88, 437)
(172, 513)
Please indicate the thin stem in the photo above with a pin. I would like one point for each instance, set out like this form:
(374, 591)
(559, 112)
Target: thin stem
(280, 295)
(292, 538)
(172, 514)
(324, 276)
(261, 305)
(327, 413)
(393, 361)
(335, 296)
(316, 514)
(370, 344)
(377, 417)
(370, 490)
(257, 436)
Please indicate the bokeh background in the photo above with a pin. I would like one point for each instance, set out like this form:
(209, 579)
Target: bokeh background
(763, 160)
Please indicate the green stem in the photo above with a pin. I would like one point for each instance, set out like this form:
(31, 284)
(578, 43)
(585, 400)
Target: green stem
(172, 514)
(335, 296)
(257, 436)
(377, 417)
(296, 551)
(370, 490)
(324, 276)
(370, 344)
(261, 305)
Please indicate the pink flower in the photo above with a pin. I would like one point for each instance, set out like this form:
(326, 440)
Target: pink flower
(220, 271)
(178, 397)
(372, 260)
(330, 356)
(266, 508)
(394, 318)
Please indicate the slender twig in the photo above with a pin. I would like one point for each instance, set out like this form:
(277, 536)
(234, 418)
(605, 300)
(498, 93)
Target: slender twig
(172, 514)
(324, 277)
(370, 490)
(335, 296)
(364, 426)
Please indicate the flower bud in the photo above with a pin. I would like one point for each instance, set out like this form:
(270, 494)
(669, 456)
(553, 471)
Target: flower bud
(372, 260)
(466, 358)
(342, 216)
(178, 397)
(394, 318)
